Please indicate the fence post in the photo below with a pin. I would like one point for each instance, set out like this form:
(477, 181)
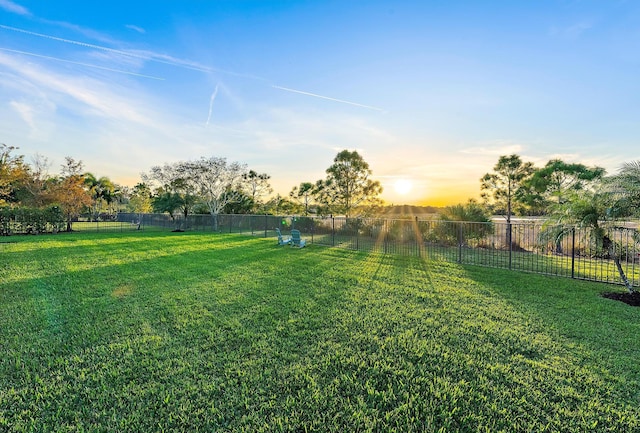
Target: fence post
(386, 235)
(418, 234)
(510, 239)
(313, 228)
(266, 222)
(357, 234)
(333, 231)
(573, 252)
(460, 242)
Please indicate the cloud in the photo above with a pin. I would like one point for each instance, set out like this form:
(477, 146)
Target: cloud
(136, 28)
(25, 111)
(137, 54)
(15, 8)
(100, 97)
(495, 148)
(573, 31)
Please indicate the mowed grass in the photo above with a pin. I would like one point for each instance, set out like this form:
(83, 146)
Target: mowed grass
(208, 332)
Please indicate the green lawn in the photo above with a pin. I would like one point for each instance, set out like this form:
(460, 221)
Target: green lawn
(206, 332)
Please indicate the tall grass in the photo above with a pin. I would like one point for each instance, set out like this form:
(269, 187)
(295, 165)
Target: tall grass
(205, 332)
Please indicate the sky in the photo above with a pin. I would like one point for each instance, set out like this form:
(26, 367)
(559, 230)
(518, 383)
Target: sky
(430, 93)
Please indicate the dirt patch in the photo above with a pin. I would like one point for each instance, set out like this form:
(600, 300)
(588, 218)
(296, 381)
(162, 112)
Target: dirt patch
(632, 299)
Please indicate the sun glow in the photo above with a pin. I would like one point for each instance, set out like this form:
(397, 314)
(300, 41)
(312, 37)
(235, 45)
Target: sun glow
(403, 186)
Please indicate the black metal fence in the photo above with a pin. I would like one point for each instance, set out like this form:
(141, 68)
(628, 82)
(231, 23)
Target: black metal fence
(526, 246)
(523, 245)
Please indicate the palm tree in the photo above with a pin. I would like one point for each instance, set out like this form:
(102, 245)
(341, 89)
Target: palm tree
(465, 221)
(626, 184)
(598, 212)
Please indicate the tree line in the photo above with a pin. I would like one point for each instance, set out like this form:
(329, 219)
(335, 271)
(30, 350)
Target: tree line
(213, 185)
(207, 185)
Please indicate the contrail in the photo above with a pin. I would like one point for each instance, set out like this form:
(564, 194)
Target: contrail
(213, 97)
(110, 50)
(286, 89)
(152, 58)
(83, 64)
(171, 62)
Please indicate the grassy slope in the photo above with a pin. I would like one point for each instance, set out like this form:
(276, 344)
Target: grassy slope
(188, 332)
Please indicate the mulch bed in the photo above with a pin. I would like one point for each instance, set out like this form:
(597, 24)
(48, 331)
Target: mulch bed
(632, 299)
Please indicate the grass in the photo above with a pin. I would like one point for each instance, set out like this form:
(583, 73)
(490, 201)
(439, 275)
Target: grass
(205, 332)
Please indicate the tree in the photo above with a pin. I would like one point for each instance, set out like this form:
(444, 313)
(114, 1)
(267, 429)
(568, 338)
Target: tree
(279, 205)
(479, 223)
(242, 203)
(102, 190)
(140, 198)
(554, 182)
(14, 173)
(257, 186)
(166, 201)
(303, 194)
(35, 189)
(176, 188)
(218, 183)
(69, 191)
(348, 185)
(471, 211)
(626, 185)
(499, 188)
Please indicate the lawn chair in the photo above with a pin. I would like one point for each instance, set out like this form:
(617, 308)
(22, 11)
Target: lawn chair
(296, 240)
(282, 240)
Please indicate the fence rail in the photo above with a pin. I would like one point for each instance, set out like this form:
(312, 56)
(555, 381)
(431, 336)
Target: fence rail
(522, 245)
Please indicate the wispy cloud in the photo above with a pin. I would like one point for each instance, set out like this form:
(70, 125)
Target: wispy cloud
(573, 31)
(81, 64)
(101, 99)
(495, 148)
(172, 61)
(25, 111)
(136, 28)
(138, 54)
(15, 8)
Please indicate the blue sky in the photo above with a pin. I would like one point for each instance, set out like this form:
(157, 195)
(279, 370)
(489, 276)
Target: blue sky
(428, 91)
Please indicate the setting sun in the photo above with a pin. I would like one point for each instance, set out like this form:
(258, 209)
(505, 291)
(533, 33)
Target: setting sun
(403, 186)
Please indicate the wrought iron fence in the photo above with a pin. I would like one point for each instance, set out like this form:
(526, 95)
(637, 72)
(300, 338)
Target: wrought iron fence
(526, 246)
(523, 245)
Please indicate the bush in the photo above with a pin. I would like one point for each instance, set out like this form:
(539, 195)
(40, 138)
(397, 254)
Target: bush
(27, 220)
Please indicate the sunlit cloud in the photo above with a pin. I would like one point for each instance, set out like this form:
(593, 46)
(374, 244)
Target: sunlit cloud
(496, 147)
(15, 8)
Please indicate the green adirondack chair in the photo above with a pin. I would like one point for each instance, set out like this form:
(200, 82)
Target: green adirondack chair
(296, 239)
(281, 239)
